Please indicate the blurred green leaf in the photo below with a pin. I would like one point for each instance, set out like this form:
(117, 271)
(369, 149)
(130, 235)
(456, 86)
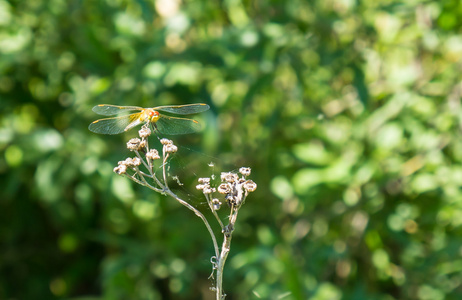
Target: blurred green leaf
(348, 113)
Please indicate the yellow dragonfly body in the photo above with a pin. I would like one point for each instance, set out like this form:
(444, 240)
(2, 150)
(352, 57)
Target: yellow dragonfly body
(137, 115)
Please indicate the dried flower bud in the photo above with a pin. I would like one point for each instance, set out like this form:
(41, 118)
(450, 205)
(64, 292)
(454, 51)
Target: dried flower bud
(224, 188)
(230, 199)
(134, 144)
(165, 141)
(204, 180)
(143, 143)
(250, 186)
(153, 154)
(244, 171)
(120, 169)
(144, 132)
(216, 204)
(228, 177)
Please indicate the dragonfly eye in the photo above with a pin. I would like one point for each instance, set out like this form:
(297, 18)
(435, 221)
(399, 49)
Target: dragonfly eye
(153, 115)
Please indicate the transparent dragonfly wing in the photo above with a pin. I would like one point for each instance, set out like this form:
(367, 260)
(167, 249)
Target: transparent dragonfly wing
(115, 125)
(183, 109)
(110, 110)
(173, 126)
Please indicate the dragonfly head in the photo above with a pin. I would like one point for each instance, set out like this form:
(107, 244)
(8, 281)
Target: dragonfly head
(153, 115)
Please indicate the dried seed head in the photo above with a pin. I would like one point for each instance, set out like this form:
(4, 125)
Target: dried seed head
(204, 180)
(136, 161)
(128, 162)
(134, 144)
(224, 188)
(201, 186)
(170, 148)
(131, 162)
(208, 190)
(165, 141)
(120, 169)
(228, 177)
(153, 154)
(244, 171)
(144, 132)
(250, 186)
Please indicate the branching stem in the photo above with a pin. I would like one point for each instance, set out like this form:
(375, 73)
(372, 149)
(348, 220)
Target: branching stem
(234, 187)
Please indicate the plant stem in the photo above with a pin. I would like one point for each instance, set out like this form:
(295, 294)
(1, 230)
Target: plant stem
(228, 234)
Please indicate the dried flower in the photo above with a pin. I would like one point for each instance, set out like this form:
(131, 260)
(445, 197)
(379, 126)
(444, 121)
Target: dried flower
(152, 154)
(224, 188)
(250, 186)
(244, 171)
(134, 144)
(201, 186)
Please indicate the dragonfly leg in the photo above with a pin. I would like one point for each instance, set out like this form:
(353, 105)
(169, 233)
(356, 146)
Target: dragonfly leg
(155, 129)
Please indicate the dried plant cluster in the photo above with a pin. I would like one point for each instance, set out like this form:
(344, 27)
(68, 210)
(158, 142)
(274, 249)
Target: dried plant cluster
(149, 168)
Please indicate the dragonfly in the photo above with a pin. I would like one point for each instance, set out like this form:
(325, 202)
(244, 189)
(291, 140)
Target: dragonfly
(134, 116)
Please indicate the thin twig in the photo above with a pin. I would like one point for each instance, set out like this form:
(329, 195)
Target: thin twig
(214, 212)
(163, 167)
(144, 183)
(142, 160)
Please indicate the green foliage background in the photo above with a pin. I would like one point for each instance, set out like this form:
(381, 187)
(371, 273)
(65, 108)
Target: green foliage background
(348, 112)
